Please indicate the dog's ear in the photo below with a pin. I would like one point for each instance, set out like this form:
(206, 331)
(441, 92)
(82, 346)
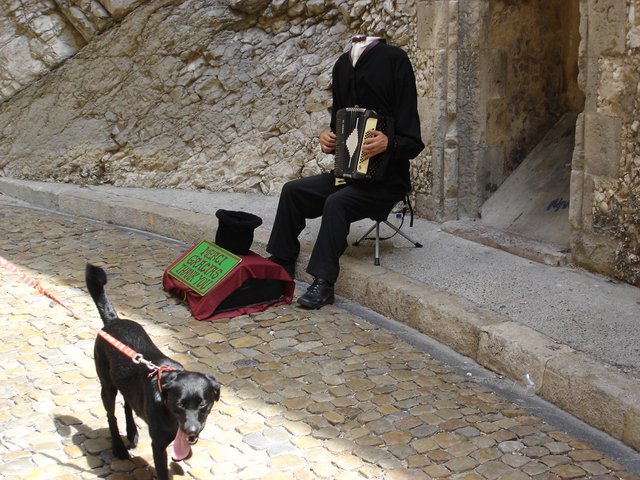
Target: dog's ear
(168, 380)
(215, 385)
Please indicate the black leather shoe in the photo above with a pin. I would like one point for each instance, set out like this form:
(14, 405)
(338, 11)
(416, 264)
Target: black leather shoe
(320, 293)
(288, 265)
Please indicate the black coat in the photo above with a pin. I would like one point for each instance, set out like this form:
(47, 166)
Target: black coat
(383, 80)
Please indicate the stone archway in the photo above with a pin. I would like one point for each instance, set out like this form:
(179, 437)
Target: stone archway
(511, 75)
(532, 103)
(529, 98)
(579, 56)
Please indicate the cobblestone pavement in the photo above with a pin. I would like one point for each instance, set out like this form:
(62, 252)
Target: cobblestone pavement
(306, 395)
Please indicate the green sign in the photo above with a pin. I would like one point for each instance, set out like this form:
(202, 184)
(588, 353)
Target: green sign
(204, 267)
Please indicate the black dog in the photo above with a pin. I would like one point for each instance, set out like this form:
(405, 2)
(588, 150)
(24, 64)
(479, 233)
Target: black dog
(175, 403)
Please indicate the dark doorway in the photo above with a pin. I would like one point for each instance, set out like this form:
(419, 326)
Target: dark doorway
(532, 104)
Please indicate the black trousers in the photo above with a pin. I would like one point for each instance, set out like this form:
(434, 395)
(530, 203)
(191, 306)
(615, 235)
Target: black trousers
(317, 196)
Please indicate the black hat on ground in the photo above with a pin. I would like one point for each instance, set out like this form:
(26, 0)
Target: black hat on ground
(235, 230)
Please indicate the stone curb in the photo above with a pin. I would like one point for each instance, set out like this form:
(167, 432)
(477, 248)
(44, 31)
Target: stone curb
(524, 247)
(565, 377)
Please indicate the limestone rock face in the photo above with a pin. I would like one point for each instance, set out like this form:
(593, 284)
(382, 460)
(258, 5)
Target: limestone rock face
(227, 95)
(36, 36)
(119, 8)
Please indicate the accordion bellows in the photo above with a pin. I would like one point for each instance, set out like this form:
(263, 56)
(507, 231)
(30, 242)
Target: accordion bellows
(353, 126)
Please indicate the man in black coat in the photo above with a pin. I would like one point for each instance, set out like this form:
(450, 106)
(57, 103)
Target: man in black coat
(372, 75)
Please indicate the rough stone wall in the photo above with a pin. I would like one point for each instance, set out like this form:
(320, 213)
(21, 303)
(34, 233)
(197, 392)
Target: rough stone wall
(616, 200)
(227, 95)
(36, 36)
(605, 203)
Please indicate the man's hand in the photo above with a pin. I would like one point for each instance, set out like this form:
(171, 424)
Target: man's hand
(375, 144)
(328, 141)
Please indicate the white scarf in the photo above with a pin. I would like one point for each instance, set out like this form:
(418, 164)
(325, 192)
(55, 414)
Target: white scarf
(359, 46)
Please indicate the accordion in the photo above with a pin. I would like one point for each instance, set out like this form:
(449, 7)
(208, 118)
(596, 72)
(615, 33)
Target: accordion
(353, 127)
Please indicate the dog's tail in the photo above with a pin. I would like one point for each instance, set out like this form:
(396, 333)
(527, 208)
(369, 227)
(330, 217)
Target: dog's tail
(96, 279)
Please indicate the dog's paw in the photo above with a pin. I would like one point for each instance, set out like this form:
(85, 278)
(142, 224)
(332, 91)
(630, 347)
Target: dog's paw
(121, 452)
(133, 440)
(176, 469)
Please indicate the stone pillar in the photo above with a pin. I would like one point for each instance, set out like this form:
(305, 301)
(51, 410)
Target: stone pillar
(599, 136)
(437, 38)
(471, 106)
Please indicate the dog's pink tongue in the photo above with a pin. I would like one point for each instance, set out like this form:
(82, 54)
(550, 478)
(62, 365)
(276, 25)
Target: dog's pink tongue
(181, 447)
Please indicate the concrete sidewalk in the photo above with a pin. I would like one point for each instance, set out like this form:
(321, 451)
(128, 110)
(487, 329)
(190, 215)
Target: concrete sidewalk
(573, 333)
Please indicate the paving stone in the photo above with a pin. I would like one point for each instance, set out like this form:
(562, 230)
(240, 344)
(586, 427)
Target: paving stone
(324, 470)
(555, 460)
(534, 468)
(585, 455)
(485, 455)
(593, 468)
(423, 431)
(439, 455)
(558, 448)
(535, 451)
(327, 433)
(424, 444)
(401, 451)
(468, 432)
(569, 471)
(346, 461)
(394, 438)
(256, 440)
(515, 460)
(437, 471)
(510, 446)
(461, 464)
(494, 470)
(612, 465)
(514, 475)
(280, 449)
(446, 440)
(97, 445)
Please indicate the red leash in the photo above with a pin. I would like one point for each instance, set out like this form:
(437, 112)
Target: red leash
(33, 283)
(135, 357)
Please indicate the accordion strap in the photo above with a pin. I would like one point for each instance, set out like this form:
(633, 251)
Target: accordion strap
(408, 202)
(407, 206)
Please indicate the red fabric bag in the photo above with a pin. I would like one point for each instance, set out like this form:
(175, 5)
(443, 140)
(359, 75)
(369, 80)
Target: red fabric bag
(244, 286)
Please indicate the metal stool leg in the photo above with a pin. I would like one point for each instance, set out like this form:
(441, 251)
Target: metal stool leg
(376, 226)
(357, 242)
(397, 230)
(376, 260)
